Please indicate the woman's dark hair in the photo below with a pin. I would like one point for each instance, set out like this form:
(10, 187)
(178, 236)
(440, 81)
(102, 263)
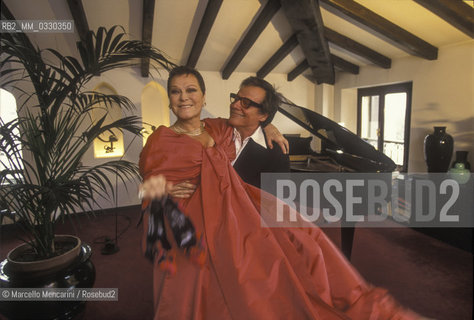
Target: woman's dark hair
(272, 98)
(185, 70)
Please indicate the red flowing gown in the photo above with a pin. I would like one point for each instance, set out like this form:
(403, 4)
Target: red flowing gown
(250, 272)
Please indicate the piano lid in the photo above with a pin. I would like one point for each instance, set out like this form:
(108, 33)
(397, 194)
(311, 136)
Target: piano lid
(337, 142)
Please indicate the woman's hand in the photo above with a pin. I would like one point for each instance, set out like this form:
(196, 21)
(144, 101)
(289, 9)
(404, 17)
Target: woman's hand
(182, 190)
(154, 187)
(273, 135)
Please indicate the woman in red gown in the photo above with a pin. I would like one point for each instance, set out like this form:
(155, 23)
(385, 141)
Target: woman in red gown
(249, 272)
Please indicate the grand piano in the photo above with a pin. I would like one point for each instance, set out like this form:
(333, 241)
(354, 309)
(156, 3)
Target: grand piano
(339, 150)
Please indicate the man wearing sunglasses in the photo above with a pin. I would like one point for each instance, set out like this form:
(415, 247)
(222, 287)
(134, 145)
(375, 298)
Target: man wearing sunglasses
(251, 109)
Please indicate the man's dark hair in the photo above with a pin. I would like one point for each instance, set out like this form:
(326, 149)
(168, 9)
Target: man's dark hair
(185, 70)
(272, 98)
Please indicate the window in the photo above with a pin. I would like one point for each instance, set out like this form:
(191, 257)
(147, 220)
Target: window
(8, 113)
(383, 120)
(155, 110)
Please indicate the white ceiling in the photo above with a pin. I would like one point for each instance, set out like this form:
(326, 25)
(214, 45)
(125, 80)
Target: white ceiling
(176, 23)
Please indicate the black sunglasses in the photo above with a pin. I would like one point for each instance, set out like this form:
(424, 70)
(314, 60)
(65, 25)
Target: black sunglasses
(245, 102)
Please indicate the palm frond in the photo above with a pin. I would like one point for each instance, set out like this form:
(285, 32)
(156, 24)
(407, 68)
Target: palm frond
(43, 180)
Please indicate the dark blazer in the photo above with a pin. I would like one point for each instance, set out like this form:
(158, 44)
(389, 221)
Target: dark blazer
(255, 159)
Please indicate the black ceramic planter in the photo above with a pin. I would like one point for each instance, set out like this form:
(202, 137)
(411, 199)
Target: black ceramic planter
(80, 274)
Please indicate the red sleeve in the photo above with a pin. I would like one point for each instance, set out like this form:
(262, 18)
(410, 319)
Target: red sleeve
(218, 127)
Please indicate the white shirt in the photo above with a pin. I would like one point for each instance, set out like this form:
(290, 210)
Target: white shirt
(257, 136)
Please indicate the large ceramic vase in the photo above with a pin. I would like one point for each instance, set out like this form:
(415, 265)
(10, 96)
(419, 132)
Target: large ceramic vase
(80, 273)
(438, 150)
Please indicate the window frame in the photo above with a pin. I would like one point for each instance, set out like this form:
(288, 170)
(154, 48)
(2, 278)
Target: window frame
(381, 91)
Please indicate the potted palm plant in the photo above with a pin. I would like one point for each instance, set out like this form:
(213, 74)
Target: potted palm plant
(43, 179)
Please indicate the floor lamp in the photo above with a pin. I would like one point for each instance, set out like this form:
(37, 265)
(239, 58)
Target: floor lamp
(111, 245)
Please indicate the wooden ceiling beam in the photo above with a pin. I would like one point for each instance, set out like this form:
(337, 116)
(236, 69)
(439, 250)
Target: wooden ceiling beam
(278, 56)
(210, 14)
(344, 65)
(147, 32)
(261, 21)
(381, 27)
(456, 13)
(302, 67)
(6, 14)
(338, 62)
(357, 48)
(305, 18)
(80, 19)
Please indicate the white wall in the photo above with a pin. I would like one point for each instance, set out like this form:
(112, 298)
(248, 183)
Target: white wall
(325, 100)
(443, 95)
(128, 82)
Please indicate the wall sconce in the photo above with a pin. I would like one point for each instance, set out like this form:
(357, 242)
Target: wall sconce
(112, 139)
(110, 144)
(109, 148)
(146, 132)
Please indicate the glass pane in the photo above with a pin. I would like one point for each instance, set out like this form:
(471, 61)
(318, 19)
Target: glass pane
(370, 119)
(374, 117)
(7, 114)
(394, 126)
(364, 116)
(394, 150)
